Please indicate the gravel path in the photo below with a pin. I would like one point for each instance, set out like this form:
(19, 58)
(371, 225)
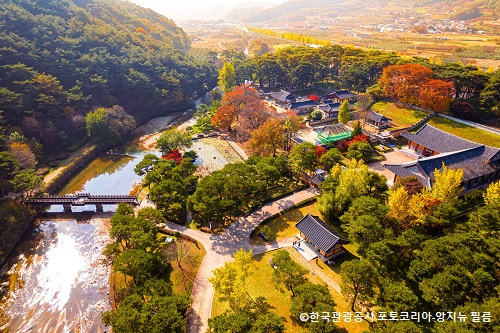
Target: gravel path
(221, 248)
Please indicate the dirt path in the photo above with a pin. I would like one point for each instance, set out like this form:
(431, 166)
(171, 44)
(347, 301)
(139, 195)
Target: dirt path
(221, 248)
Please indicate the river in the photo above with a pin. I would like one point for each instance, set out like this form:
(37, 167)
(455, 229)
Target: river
(57, 280)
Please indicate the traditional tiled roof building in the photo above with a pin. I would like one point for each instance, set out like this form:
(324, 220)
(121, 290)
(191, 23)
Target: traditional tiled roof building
(326, 241)
(480, 163)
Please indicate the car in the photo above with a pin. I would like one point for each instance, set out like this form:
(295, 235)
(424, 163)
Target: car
(262, 235)
(330, 262)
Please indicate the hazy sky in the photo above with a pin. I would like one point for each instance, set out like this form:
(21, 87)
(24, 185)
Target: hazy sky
(196, 9)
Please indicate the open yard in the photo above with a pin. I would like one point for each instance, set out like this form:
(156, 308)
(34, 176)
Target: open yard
(465, 131)
(283, 225)
(260, 283)
(401, 117)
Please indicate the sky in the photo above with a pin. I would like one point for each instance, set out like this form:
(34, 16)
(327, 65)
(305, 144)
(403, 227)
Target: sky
(197, 9)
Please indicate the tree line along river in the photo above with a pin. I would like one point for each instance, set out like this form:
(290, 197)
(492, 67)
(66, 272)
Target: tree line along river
(56, 280)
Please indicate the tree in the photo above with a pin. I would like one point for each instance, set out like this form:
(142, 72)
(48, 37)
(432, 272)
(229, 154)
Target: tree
(108, 125)
(492, 195)
(360, 150)
(26, 181)
(224, 117)
(146, 164)
(229, 281)
(303, 157)
(8, 168)
(447, 183)
(411, 184)
(310, 297)
(346, 185)
(290, 128)
(268, 138)
(402, 82)
(315, 115)
(227, 77)
(330, 159)
(173, 139)
(359, 283)
(398, 204)
(269, 323)
(356, 130)
(436, 95)
(344, 116)
(22, 153)
(288, 272)
(320, 151)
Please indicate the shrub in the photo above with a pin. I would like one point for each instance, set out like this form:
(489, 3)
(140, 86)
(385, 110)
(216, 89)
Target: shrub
(343, 145)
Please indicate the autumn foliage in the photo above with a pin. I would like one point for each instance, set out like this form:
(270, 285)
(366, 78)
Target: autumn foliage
(141, 30)
(319, 151)
(175, 155)
(314, 98)
(359, 137)
(414, 84)
(242, 110)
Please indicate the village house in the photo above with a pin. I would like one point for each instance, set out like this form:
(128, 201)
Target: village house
(283, 97)
(480, 163)
(302, 107)
(329, 109)
(377, 120)
(341, 95)
(320, 238)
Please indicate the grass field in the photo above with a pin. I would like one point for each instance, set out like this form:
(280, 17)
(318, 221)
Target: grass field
(401, 116)
(283, 225)
(184, 260)
(260, 283)
(466, 132)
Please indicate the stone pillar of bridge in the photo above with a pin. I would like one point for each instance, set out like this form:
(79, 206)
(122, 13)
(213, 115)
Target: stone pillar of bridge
(67, 208)
(98, 208)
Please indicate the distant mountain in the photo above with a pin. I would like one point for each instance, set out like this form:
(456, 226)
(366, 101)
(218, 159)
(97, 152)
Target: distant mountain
(298, 8)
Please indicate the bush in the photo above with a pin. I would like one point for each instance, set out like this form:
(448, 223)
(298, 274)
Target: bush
(343, 145)
(267, 231)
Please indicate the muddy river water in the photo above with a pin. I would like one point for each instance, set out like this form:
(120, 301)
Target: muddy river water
(57, 280)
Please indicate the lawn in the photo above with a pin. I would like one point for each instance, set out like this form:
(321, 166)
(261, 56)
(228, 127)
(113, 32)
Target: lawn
(466, 132)
(283, 225)
(260, 283)
(185, 257)
(401, 117)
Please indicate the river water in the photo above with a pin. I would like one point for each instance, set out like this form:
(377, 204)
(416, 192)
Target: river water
(57, 280)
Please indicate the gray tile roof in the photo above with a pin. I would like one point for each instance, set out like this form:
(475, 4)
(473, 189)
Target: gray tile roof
(342, 94)
(475, 162)
(438, 140)
(320, 234)
(282, 96)
(302, 104)
(377, 117)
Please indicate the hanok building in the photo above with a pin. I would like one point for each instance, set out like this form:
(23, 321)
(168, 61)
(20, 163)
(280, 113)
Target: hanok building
(341, 95)
(330, 110)
(283, 97)
(302, 106)
(378, 120)
(332, 133)
(480, 163)
(326, 242)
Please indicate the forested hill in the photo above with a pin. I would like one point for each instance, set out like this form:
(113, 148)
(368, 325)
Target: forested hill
(60, 59)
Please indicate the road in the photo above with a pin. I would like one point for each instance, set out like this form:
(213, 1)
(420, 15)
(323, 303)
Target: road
(220, 249)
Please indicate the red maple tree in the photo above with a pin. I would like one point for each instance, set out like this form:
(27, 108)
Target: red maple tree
(175, 155)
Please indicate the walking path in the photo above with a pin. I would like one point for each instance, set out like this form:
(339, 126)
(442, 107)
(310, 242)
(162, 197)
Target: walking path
(221, 248)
